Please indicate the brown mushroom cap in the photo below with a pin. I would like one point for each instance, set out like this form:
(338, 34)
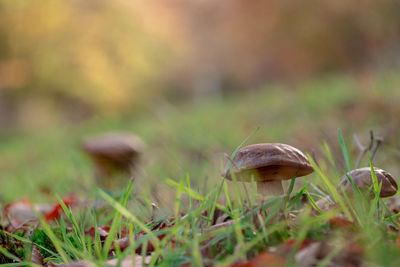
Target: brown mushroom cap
(113, 145)
(114, 150)
(268, 162)
(363, 179)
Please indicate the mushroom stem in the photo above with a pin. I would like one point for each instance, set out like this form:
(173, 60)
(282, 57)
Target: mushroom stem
(270, 188)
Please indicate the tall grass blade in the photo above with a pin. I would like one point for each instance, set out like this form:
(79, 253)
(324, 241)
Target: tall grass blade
(344, 150)
(328, 154)
(315, 206)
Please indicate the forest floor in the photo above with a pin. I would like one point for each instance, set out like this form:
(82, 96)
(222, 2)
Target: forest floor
(197, 217)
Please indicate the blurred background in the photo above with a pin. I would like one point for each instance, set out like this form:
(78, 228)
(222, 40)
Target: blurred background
(193, 79)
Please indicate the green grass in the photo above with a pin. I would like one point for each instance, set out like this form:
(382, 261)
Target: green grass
(184, 154)
(243, 239)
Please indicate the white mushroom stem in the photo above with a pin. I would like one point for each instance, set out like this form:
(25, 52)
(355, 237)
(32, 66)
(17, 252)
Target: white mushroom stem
(270, 188)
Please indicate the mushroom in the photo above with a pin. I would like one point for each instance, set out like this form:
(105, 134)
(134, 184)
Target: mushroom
(363, 179)
(113, 154)
(268, 164)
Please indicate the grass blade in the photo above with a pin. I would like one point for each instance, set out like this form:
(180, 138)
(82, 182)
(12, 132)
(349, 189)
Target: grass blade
(56, 242)
(331, 188)
(315, 206)
(328, 154)
(116, 222)
(344, 150)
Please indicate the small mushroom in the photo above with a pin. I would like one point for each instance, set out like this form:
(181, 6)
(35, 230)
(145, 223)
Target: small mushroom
(268, 164)
(363, 179)
(114, 154)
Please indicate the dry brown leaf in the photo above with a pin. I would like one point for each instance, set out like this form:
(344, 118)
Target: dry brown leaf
(19, 213)
(286, 248)
(128, 261)
(263, 259)
(36, 257)
(350, 255)
(308, 255)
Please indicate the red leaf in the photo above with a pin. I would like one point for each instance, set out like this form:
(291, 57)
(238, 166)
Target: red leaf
(355, 248)
(57, 210)
(340, 222)
(289, 244)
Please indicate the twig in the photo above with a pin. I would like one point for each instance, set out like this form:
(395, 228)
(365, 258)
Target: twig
(220, 225)
(379, 140)
(371, 140)
(363, 149)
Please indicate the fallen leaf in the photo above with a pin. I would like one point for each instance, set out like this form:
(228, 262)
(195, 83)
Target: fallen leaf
(262, 260)
(128, 261)
(36, 256)
(57, 209)
(350, 255)
(289, 244)
(23, 212)
(19, 212)
(308, 256)
(287, 247)
(338, 222)
(355, 248)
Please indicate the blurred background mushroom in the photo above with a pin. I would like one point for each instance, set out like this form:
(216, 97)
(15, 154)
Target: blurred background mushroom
(363, 179)
(268, 164)
(116, 157)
